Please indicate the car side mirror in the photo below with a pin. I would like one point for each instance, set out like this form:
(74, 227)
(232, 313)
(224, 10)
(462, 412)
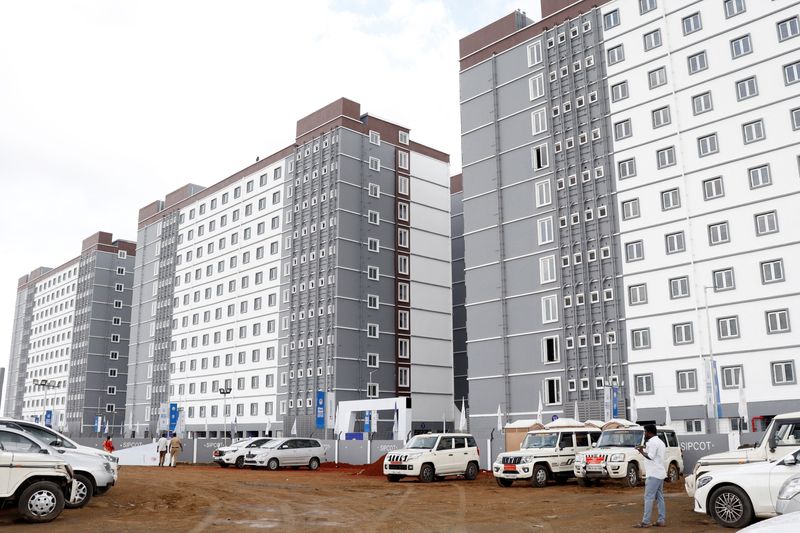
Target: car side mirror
(58, 443)
(594, 445)
(789, 460)
(772, 443)
(44, 451)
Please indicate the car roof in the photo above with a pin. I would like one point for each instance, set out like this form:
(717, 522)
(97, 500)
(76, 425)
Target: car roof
(26, 435)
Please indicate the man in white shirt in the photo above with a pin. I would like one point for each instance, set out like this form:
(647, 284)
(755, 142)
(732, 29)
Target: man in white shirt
(654, 453)
(161, 446)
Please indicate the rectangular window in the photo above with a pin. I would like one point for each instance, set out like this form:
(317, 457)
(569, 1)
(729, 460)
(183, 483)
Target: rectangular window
(372, 301)
(766, 223)
(707, 145)
(616, 54)
(778, 321)
(760, 176)
(552, 391)
(788, 28)
(652, 40)
(640, 338)
(692, 23)
(619, 91)
(702, 103)
(746, 88)
(637, 294)
(661, 117)
(728, 327)
(697, 62)
(634, 251)
(795, 115)
(753, 131)
(622, 130)
(682, 333)
(724, 279)
(675, 242)
(550, 352)
(645, 6)
(402, 160)
(543, 193)
(791, 73)
(783, 373)
(539, 157)
(687, 380)
(373, 331)
(657, 77)
(539, 121)
(772, 271)
(734, 7)
(713, 188)
(374, 164)
(718, 233)
(373, 273)
(670, 199)
(741, 46)
(630, 209)
(626, 168)
(403, 374)
(644, 383)
(536, 86)
(547, 269)
(611, 19)
(665, 157)
(549, 309)
(679, 287)
(545, 230)
(534, 53)
(373, 217)
(731, 377)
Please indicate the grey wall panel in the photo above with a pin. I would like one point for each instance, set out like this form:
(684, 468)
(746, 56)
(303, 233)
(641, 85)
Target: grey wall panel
(482, 212)
(484, 320)
(513, 63)
(475, 80)
(482, 247)
(524, 314)
(515, 96)
(477, 145)
(520, 237)
(516, 166)
(477, 112)
(480, 178)
(483, 283)
(518, 201)
(485, 395)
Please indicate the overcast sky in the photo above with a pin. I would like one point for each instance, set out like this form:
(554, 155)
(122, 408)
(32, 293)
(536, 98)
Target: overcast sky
(108, 105)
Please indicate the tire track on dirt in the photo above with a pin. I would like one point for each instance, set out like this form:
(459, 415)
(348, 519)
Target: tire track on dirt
(386, 515)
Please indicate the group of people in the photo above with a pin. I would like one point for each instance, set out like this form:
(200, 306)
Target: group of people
(174, 445)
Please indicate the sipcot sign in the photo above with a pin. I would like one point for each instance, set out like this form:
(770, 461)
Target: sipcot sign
(696, 446)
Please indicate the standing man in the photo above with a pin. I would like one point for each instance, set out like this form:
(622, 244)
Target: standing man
(108, 446)
(175, 447)
(654, 453)
(162, 446)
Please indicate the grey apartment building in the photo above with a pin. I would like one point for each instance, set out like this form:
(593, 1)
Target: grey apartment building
(543, 307)
(69, 348)
(320, 271)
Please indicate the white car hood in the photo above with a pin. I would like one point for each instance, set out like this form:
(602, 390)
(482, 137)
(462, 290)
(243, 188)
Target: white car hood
(526, 452)
(746, 455)
(787, 523)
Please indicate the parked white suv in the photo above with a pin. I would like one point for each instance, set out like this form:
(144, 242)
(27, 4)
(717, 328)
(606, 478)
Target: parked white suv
(544, 455)
(782, 436)
(735, 496)
(616, 457)
(31, 477)
(286, 452)
(434, 455)
(233, 454)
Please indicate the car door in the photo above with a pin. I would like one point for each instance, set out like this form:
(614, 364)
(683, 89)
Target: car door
(460, 454)
(783, 470)
(5, 470)
(445, 460)
(785, 438)
(566, 450)
(303, 451)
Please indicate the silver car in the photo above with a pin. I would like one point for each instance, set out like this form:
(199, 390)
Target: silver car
(789, 497)
(291, 451)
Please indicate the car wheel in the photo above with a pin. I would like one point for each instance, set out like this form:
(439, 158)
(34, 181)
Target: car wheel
(240, 461)
(313, 464)
(273, 464)
(84, 489)
(729, 506)
(223, 464)
(393, 478)
(426, 473)
(472, 472)
(504, 482)
(585, 482)
(632, 475)
(539, 477)
(41, 502)
(673, 473)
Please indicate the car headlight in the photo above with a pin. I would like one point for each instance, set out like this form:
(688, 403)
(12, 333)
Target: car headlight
(617, 457)
(579, 459)
(107, 466)
(412, 456)
(790, 489)
(702, 482)
(110, 458)
(527, 459)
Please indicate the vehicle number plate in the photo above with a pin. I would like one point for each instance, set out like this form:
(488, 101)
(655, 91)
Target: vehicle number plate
(509, 468)
(395, 463)
(597, 468)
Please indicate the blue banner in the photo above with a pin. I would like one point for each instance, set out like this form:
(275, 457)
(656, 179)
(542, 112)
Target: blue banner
(98, 424)
(353, 436)
(614, 402)
(320, 409)
(173, 416)
(367, 421)
(48, 418)
(36, 418)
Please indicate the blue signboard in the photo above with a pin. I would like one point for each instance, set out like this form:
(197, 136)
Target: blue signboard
(48, 418)
(367, 421)
(353, 436)
(36, 418)
(554, 418)
(98, 424)
(614, 402)
(320, 409)
(173, 416)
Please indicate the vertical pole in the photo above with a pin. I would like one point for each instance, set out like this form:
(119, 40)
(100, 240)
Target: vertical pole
(194, 451)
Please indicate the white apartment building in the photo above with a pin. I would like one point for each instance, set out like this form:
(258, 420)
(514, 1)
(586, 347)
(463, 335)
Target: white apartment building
(705, 106)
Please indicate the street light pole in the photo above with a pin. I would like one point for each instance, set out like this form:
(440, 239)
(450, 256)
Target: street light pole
(225, 391)
(709, 370)
(45, 384)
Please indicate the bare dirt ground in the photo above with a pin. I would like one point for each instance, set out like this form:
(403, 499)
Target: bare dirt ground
(209, 498)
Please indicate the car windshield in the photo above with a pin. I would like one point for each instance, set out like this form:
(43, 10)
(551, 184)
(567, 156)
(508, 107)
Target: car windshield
(47, 436)
(539, 440)
(422, 442)
(625, 439)
(272, 444)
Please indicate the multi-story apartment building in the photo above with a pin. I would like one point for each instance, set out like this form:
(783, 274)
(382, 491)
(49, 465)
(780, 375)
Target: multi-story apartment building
(69, 349)
(323, 268)
(626, 167)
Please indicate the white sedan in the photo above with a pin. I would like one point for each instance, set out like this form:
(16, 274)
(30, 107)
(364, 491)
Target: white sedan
(735, 496)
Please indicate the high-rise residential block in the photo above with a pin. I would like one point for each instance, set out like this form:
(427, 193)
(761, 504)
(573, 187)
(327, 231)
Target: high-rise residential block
(69, 348)
(323, 268)
(628, 171)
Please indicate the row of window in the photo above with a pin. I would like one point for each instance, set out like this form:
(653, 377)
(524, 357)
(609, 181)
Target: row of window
(777, 321)
(50, 297)
(202, 410)
(782, 372)
(51, 339)
(47, 326)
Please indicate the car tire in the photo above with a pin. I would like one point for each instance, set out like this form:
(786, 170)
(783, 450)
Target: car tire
(83, 492)
(393, 478)
(471, 473)
(585, 482)
(273, 464)
(673, 473)
(729, 506)
(239, 462)
(540, 476)
(427, 474)
(504, 482)
(313, 464)
(631, 475)
(40, 502)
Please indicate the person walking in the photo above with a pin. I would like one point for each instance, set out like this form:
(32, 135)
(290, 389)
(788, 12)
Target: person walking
(653, 452)
(108, 445)
(161, 445)
(175, 447)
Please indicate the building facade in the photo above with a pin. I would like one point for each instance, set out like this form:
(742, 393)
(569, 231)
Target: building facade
(620, 192)
(321, 270)
(69, 350)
